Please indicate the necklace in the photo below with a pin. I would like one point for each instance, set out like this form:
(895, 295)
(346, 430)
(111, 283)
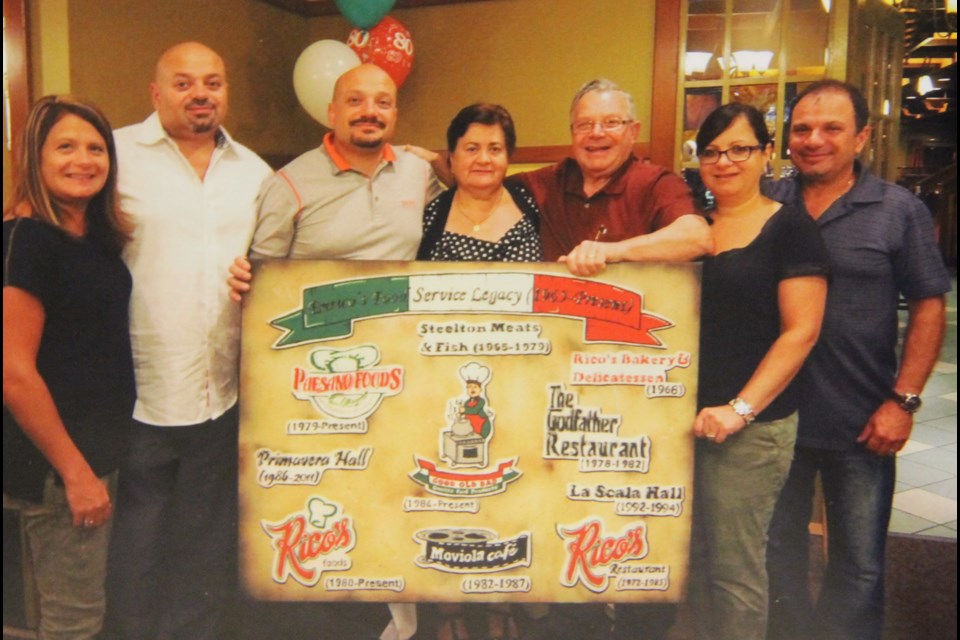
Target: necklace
(485, 215)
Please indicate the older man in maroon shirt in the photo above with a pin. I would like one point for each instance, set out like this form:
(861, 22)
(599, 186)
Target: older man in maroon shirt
(605, 205)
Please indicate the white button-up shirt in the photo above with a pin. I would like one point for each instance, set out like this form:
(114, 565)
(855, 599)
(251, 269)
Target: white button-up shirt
(184, 327)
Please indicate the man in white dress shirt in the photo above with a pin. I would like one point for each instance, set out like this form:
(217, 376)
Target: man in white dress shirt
(190, 190)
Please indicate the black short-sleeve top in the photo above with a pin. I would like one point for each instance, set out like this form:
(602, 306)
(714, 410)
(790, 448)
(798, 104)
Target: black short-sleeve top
(84, 355)
(740, 314)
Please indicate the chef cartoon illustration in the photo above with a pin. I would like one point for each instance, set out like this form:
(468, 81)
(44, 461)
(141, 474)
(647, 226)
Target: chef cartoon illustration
(466, 442)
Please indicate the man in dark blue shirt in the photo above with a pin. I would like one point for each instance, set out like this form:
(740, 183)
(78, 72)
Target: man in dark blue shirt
(857, 404)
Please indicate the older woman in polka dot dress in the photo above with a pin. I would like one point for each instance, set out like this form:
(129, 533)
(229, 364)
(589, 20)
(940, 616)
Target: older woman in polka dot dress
(481, 218)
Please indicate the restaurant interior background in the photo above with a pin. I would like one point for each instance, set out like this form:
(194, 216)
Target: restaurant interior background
(679, 58)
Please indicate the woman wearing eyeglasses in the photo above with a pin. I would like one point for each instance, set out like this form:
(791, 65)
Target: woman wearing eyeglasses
(764, 289)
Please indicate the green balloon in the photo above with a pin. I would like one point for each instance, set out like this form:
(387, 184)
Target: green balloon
(364, 14)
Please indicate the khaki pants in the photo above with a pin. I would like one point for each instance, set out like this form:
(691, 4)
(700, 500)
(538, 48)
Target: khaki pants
(736, 487)
(69, 565)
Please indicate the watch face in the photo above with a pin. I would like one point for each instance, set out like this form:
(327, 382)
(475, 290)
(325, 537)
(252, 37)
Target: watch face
(910, 402)
(742, 409)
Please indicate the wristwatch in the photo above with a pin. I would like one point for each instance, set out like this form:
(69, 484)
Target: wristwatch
(743, 409)
(909, 402)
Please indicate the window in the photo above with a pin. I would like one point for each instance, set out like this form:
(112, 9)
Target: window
(758, 52)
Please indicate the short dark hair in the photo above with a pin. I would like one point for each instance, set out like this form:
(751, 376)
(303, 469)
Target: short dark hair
(481, 113)
(721, 118)
(861, 110)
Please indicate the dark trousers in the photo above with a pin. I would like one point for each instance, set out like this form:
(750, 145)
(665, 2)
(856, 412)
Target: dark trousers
(172, 564)
(858, 491)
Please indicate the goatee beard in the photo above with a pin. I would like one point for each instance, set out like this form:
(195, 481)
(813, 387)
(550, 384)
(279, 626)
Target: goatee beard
(365, 143)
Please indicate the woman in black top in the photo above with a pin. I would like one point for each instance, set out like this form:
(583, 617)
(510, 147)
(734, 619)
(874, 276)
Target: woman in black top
(68, 387)
(764, 289)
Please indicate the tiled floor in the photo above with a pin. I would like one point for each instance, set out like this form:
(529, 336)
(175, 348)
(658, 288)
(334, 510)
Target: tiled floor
(925, 502)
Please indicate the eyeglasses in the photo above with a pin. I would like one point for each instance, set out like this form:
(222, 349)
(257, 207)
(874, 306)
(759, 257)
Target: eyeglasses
(607, 124)
(736, 153)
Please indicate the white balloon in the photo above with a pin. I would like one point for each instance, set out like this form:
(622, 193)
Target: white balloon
(316, 72)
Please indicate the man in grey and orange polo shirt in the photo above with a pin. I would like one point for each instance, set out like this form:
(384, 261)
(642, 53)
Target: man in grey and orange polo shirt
(355, 197)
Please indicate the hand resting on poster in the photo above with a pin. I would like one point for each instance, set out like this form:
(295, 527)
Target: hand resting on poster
(241, 278)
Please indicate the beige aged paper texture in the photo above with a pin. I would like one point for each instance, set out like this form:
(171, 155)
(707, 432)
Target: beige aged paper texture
(467, 432)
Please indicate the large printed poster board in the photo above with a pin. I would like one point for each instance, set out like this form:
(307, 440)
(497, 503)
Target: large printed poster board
(467, 432)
